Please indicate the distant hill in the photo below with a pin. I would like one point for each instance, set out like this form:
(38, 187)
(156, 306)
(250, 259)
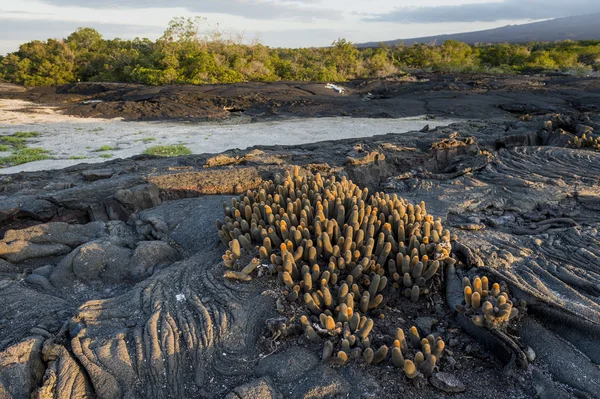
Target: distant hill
(581, 27)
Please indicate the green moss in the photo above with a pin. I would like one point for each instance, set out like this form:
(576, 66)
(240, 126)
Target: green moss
(77, 157)
(25, 155)
(15, 142)
(148, 140)
(168, 150)
(4, 147)
(104, 148)
(106, 155)
(26, 134)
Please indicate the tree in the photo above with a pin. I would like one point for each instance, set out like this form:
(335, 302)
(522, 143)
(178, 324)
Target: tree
(193, 51)
(379, 63)
(456, 56)
(40, 64)
(344, 57)
(90, 48)
(183, 30)
(504, 55)
(85, 39)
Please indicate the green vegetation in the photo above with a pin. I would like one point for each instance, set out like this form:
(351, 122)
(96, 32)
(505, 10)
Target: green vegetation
(105, 148)
(184, 54)
(24, 155)
(145, 140)
(20, 153)
(74, 157)
(168, 150)
(18, 139)
(26, 134)
(15, 142)
(106, 155)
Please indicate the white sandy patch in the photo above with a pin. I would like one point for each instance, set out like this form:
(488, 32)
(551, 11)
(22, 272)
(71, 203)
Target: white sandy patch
(19, 112)
(67, 137)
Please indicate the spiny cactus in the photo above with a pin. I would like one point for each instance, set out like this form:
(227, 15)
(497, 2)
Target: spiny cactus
(585, 142)
(426, 353)
(487, 306)
(351, 334)
(335, 226)
(337, 250)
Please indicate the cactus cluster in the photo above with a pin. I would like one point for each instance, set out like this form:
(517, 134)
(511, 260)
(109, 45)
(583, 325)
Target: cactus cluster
(337, 250)
(586, 142)
(487, 306)
(426, 353)
(305, 224)
(355, 344)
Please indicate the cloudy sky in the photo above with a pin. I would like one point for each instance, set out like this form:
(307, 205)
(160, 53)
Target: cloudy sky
(283, 23)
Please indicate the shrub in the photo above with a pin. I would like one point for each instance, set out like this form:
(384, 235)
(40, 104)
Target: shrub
(168, 150)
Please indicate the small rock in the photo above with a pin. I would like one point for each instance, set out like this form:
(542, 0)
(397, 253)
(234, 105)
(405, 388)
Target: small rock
(40, 281)
(534, 216)
(451, 361)
(20, 251)
(530, 353)
(220, 160)
(424, 324)
(58, 186)
(97, 174)
(506, 256)
(321, 382)
(288, 365)
(45, 271)
(507, 219)
(447, 382)
(474, 220)
(261, 388)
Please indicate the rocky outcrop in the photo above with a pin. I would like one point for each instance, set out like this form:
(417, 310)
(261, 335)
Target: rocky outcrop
(457, 95)
(21, 368)
(111, 281)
